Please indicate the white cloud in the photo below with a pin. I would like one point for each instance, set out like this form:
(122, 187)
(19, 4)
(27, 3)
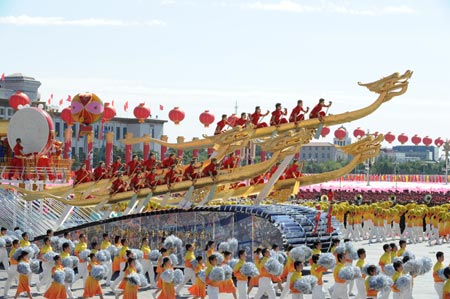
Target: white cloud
(296, 7)
(60, 21)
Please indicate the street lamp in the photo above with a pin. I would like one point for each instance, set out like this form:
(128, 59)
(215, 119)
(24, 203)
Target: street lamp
(368, 165)
(395, 173)
(446, 148)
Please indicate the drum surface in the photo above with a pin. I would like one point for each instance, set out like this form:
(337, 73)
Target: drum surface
(34, 127)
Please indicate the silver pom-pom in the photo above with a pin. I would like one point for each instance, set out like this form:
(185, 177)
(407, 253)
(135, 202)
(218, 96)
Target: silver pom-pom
(84, 255)
(380, 282)
(23, 268)
(217, 274)
(173, 259)
(219, 257)
(228, 271)
(412, 267)
(103, 256)
(138, 254)
(113, 251)
(98, 272)
(249, 269)
(233, 242)
(273, 266)
(134, 279)
(34, 266)
(2, 242)
(30, 251)
(389, 270)
(178, 276)
(67, 262)
(357, 272)
(340, 249)
(138, 266)
(327, 260)
(194, 263)
(75, 261)
(440, 273)
(409, 254)
(59, 276)
(143, 281)
(202, 275)
(17, 253)
(154, 255)
(172, 242)
(233, 263)
(36, 250)
(347, 273)
(282, 257)
(70, 275)
(224, 246)
(167, 276)
(297, 254)
(64, 240)
(426, 265)
(48, 257)
(18, 234)
(305, 284)
(403, 283)
(54, 241)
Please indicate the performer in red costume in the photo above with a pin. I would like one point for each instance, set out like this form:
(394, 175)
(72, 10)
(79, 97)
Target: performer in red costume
(172, 175)
(277, 116)
(256, 116)
(82, 175)
(169, 161)
(230, 162)
(294, 171)
(100, 172)
(133, 165)
(317, 112)
(150, 162)
(117, 166)
(152, 179)
(17, 161)
(273, 170)
(211, 169)
(221, 125)
(296, 114)
(242, 121)
(137, 182)
(119, 185)
(191, 173)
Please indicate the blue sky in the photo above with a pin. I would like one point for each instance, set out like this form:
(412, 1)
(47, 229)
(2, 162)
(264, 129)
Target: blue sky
(208, 54)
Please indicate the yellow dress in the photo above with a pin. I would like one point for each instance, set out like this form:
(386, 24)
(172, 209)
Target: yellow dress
(130, 290)
(92, 286)
(56, 290)
(168, 291)
(199, 287)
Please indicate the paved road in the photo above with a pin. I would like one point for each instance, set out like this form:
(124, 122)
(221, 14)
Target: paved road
(423, 285)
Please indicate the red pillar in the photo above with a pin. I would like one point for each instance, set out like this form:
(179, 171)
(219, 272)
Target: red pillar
(263, 156)
(68, 143)
(146, 150)
(128, 148)
(109, 148)
(90, 153)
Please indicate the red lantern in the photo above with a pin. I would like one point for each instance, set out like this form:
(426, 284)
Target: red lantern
(402, 138)
(206, 118)
(66, 116)
(176, 115)
(325, 131)
(389, 137)
(358, 133)
(340, 133)
(439, 142)
(19, 98)
(427, 141)
(141, 112)
(232, 119)
(109, 112)
(416, 140)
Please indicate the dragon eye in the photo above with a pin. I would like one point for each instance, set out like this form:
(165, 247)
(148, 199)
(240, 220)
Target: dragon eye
(94, 107)
(76, 107)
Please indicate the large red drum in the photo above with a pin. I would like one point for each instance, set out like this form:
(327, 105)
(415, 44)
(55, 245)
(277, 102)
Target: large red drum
(34, 127)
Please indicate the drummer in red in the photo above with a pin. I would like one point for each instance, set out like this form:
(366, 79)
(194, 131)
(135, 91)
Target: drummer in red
(100, 172)
(232, 161)
(117, 166)
(169, 161)
(296, 114)
(119, 185)
(221, 125)
(191, 172)
(133, 165)
(293, 171)
(150, 162)
(211, 169)
(242, 121)
(172, 176)
(277, 116)
(317, 112)
(255, 118)
(17, 161)
(152, 180)
(82, 175)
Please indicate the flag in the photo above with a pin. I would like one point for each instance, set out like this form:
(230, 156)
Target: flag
(161, 107)
(49, 101)
(125, 107)
(112, 104)
(3, 76)
(69, 98)
(61, 102)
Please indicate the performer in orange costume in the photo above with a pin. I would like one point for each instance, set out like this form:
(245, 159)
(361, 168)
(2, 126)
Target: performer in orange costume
(168, 288)
(296, 114)
(256, 116)
(24, 281)
(317, 112)
(198, 289)
(92, 286)
(57, 290)
(277, 116)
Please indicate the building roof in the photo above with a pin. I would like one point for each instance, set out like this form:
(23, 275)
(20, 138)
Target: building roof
(319, 144)
(18, 76)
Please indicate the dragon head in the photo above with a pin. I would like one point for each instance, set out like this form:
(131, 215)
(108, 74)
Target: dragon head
(393, 85)
(366, 148)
